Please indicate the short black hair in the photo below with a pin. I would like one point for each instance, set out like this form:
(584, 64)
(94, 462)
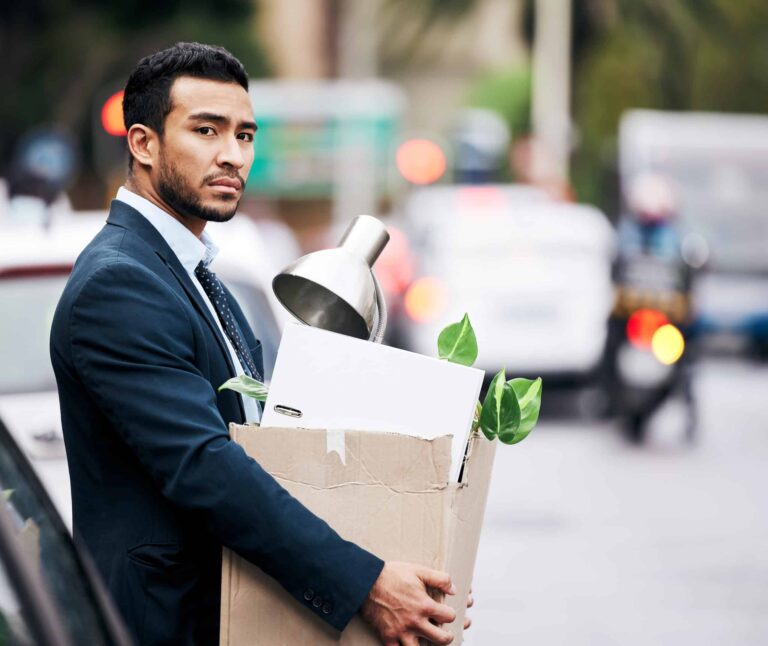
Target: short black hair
(147, 98)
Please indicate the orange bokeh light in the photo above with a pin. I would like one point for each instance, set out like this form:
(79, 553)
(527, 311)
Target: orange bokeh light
(112, 115)
(420, 161)
(425, 299)
(394, 268)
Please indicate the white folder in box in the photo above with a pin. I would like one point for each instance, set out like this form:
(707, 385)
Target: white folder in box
(327, 380)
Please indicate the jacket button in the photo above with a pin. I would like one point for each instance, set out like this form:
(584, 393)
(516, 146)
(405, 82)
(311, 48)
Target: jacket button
(317, 602)
(309, 594)
(327, 608)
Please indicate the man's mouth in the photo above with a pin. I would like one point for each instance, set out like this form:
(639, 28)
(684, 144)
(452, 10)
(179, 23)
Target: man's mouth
(227, 185)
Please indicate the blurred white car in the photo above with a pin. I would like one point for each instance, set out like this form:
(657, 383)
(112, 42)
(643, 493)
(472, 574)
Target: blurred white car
(534, 276)
(34, 267)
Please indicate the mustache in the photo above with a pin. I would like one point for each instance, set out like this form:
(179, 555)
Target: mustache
(212, 178)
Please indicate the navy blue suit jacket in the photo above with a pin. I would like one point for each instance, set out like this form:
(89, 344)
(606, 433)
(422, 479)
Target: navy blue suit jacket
(157, 485)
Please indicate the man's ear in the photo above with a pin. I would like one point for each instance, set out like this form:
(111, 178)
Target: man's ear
(143, 144)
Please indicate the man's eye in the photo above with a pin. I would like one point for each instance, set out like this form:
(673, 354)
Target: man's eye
(246, 136)
(206, 130)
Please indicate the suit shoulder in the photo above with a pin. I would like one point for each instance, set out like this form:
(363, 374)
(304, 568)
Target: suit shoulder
(119, 300)
(118, 255)
(114, 244)
(122, 278)
(117, 285)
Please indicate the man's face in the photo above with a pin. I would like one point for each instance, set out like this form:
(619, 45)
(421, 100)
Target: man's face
(207, 149)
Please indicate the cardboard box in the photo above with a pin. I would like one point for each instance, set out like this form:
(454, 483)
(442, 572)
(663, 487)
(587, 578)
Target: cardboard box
(391, 495)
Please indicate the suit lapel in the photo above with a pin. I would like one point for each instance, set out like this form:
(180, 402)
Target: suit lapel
(125, 216)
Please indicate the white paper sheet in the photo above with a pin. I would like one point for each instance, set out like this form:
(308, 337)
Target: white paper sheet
(337, 382)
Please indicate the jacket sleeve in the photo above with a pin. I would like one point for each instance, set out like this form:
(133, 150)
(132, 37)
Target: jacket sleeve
(133, 344)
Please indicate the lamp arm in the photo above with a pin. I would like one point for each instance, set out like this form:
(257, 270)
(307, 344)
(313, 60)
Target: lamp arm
(377, 335)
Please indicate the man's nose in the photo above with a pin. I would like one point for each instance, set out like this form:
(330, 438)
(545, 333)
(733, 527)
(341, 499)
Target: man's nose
(231, 153)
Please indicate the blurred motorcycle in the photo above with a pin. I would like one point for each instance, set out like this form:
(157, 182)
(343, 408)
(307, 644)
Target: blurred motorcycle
(649, 348)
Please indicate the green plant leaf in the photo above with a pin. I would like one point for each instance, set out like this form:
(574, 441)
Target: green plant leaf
(500, 416)
(246, 385)
(457, 343)
(528, 393)
(476, 419)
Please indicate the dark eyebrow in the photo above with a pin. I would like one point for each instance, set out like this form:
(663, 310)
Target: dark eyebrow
(219, 118)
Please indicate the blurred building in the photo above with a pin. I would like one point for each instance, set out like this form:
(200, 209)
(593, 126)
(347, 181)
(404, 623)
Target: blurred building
(434, 60)
(430, 59)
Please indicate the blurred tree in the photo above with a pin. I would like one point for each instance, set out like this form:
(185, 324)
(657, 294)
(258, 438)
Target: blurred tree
(59, 54)
(669, 55)
(419, 17)
(682, 55)
(507, 92)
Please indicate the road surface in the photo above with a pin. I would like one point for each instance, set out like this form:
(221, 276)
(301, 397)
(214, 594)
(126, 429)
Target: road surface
(590, 542)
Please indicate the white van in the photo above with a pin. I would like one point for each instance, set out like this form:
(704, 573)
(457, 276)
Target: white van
(534, 276)
(717, 164)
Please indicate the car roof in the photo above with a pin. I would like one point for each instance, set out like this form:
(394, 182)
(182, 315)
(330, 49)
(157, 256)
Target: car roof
(495, 214)
(61, 242)
(244, 254)
(31, 245)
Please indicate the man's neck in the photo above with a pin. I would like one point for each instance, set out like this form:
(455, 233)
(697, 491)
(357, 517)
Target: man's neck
(147, 191)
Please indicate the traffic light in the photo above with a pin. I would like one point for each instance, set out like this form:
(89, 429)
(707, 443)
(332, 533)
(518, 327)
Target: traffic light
(110, 154)
(112, 115)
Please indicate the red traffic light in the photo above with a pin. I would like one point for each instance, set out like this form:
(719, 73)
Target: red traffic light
(112, 115)
(642, 325)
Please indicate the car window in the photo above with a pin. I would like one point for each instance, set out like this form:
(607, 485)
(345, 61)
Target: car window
(27, 304)
(48, 547)
(13, 626)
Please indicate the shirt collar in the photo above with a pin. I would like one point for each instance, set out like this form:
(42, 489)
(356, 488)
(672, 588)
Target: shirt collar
(189, 249)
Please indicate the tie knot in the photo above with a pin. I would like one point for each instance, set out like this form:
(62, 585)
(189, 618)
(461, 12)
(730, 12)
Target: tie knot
(201, 270)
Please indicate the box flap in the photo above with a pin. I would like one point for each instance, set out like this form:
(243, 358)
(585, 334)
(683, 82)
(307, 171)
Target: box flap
(391, 460)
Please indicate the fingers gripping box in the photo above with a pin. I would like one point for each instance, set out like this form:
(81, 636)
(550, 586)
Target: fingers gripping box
(389, 493)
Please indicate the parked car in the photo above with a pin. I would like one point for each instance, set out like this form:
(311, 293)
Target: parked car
(533, 275)
(34, 266)
(49, 592)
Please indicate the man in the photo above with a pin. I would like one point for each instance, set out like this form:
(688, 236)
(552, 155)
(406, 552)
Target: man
(142, 336)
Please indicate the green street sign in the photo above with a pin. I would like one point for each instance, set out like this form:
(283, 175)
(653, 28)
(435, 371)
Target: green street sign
(311, 133)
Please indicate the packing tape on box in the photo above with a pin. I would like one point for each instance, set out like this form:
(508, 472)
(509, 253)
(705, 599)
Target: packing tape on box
(334, 441)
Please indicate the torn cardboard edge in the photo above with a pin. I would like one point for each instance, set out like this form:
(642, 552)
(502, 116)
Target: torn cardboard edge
(334, 443)
(387, 492)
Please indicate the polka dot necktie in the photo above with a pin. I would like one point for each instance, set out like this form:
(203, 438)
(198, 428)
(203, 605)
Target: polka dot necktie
(215, 291)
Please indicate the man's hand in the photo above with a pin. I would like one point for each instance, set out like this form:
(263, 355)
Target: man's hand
(470, 603)
(400, 609)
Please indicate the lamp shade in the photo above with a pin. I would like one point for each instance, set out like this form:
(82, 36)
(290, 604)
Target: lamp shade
(334, 289)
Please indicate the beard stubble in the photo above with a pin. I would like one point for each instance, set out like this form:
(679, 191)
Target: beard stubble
(177, 193)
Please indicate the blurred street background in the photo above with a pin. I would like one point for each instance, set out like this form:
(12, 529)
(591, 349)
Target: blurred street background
(588, 541)
(587, 179)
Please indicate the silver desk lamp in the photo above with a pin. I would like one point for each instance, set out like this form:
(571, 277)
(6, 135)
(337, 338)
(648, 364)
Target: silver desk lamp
(335, 289)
